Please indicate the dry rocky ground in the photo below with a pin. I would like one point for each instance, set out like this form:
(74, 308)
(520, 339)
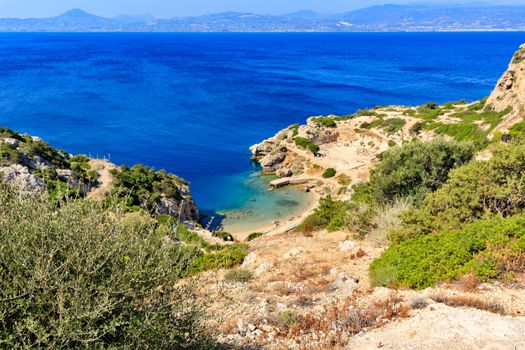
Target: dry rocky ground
(313, 292)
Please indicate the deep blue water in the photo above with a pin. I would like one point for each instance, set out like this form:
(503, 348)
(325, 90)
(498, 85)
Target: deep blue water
(194, 103)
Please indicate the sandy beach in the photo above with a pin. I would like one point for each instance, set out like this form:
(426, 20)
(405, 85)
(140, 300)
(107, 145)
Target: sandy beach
(270, 228)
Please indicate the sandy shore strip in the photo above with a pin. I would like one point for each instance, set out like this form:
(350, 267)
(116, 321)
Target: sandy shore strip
(284, 226)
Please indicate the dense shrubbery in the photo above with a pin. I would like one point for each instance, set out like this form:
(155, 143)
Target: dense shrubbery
(82, 277)
(409, 171)
(475, 191)
(142, 187)
(416, 168)
(337, 215)
(306, 144)
(489, 248)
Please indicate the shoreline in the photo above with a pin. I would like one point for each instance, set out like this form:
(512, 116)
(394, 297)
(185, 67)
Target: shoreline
(283, 227)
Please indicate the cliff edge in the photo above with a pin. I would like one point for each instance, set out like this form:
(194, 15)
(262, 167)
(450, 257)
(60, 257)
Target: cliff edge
(510, 92)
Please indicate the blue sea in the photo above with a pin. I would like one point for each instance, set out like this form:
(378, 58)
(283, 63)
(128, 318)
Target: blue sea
(193, 103)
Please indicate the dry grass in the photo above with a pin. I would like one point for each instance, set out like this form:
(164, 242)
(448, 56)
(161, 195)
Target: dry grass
(359, 254)
(385, 219)
(469, 281)
(469, 301)
(348, 318)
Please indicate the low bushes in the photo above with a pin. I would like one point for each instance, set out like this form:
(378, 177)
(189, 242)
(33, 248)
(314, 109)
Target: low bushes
(330, 172)
(253, 236)
(306, 144)
(141, 186)
(490, 248)
(238, 275)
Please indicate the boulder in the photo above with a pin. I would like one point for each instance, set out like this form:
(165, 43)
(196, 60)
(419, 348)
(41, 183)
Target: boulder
(345, 283)
(263, 148)
(270, 161)
(249, 260)
(284, 172)
(294, 252)
(346, 246)
(9, 141)
(21, 178)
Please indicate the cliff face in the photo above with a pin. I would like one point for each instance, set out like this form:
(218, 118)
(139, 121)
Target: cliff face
(32, 165)
(510, 91)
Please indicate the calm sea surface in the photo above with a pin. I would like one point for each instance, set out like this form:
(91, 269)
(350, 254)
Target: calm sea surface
(194, 103)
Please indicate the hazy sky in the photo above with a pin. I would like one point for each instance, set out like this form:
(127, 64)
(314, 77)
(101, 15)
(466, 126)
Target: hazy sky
(171, 8)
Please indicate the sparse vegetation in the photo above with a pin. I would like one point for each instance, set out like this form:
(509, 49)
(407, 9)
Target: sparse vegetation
(469, 301)
(238, 275)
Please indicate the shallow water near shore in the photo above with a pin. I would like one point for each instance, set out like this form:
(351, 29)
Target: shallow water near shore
(194, 103)
(257, 205)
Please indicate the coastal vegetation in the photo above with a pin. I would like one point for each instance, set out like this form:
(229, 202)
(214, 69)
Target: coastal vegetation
(84, 276)
(305, 143)
(142, 187)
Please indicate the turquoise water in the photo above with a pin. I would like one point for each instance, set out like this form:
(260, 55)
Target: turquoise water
(193, 103)
(252, 205)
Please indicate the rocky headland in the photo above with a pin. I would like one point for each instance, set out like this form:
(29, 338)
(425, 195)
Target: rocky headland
(31, 165)
(312, 290)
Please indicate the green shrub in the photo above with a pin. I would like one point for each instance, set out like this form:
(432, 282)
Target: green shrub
(306, 144)
(428, 111)
(393, 125)
(238, 275)
(392, 143)
(82, 277)
(330, 172)
(225, 236)
(145, 186)
(337, 215)
(9, 155)
(373, 124)
(477, 190)
(229, 256)
(253, 236)
(489, 248)
(287, 318)
(416, 168)
(328, 122)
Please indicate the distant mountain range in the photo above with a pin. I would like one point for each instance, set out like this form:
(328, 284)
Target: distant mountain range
(385, 18)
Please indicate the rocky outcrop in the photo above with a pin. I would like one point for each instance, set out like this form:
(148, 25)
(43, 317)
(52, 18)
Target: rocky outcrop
(31, 165)
(510, 92)
(173, 207)
(271, 161)
(20, 177)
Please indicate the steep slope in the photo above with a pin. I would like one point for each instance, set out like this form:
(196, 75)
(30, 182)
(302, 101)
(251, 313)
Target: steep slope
(510, 91)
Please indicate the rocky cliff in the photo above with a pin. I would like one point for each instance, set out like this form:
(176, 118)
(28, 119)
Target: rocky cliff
(510, 91)
(32, 165)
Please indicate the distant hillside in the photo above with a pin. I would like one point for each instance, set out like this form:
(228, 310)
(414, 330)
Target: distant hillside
(376, 18)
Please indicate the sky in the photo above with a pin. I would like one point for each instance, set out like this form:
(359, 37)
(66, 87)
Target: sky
(173, 8)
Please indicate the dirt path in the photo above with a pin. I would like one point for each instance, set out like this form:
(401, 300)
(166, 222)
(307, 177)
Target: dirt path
(105, 179)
